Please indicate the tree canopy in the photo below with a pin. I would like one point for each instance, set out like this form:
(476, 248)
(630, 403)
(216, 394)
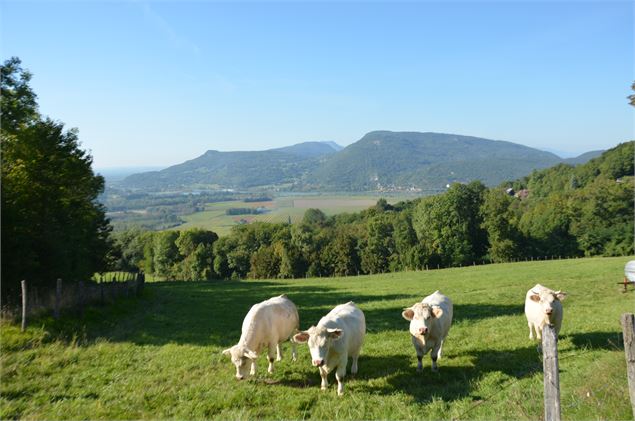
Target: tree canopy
(52, 225)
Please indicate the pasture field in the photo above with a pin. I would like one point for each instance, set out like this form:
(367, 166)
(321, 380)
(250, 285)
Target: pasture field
(159, 356)
(281, 209)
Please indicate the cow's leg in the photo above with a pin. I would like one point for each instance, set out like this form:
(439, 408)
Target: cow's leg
(538, 332)
(420, 353)
(531, 330)
(434, 355)
(294, 354)
(278, 353)
(339, 375)
(354, 363)
(253, 368)
(324, 374)
(270, 356)
(440, 348)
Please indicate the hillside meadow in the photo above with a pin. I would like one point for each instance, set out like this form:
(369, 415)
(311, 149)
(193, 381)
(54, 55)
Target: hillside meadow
(159, 356)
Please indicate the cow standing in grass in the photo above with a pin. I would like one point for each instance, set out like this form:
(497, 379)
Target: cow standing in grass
(543, 307)
(337, 336)
(430, 321)
(267, 324)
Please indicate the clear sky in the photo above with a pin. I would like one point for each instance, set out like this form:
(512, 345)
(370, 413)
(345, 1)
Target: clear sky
(156, 83)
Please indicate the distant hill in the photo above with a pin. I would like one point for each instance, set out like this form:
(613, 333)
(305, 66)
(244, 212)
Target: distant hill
(399, 160)
(381, 160)
(311, 149)
(584, 158)
(236, 170)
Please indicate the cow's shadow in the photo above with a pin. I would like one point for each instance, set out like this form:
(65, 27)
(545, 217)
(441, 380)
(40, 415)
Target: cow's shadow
(450, 382)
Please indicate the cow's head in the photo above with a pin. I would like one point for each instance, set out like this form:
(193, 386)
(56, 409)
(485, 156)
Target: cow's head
(319, 339)
(242, 357)
(421, 316)
(546, 298)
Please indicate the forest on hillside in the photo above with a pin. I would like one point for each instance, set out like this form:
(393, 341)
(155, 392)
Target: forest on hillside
(560, 212)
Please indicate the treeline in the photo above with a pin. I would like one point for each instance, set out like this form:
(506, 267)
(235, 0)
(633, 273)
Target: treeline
(565, 212)
(243, 211)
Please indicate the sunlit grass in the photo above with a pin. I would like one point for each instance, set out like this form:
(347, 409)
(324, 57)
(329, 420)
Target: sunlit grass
(159, 356)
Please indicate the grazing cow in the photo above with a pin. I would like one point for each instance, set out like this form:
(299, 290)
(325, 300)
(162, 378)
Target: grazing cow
(267, 324)
(430, 321)
(543, 307)
(337, 336)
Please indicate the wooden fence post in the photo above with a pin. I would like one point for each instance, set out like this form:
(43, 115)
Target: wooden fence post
(551, 374)
(58, 298)
(24, 305)
(628, 330)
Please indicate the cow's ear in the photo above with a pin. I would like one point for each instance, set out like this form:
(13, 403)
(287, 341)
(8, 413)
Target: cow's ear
(250, 354)
(335, 333)
(534, 297)
(301, 337)
(408, 313)
(437, 311)
(228, 351)
(561, 295)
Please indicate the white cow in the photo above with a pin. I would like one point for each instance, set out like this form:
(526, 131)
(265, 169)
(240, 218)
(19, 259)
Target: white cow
(267, 324)
(337, 336)
(543, 307)
(430, 321)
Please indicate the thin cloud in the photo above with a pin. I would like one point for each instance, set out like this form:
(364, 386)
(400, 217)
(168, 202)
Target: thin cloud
(168, 31)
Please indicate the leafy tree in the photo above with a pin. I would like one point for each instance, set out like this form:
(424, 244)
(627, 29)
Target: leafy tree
(52, 225)
(501, 222)
(449, 225)
(379, 247)
(165, 253)
(314, 217)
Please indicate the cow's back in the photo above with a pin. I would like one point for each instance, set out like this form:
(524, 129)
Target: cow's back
(351, 320)
(272, 320)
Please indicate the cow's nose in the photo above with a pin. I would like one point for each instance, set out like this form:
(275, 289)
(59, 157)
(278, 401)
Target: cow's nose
(549, 311)
(423, 330)
(318, 363)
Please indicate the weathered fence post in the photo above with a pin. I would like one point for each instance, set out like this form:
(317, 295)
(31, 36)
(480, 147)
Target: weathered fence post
(551, 374)
(58, 298)
(628, 330)
(24, 305)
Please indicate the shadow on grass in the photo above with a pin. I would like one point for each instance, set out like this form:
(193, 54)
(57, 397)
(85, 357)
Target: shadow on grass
(203, 313)
(211, 313)
(597, 340)
(450, 382)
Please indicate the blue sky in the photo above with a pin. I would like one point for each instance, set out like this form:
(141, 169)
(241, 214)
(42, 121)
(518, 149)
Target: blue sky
(156, 83)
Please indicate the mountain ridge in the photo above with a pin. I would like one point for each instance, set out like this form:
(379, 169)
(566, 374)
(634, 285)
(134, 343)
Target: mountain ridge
(381, 160)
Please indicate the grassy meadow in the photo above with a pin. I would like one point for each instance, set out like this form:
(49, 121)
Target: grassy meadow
(281, 209)
(159, 356)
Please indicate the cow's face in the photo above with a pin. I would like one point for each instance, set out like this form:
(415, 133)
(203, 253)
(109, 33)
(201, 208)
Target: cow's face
(421, 317)
(242, 358)
(547, 299)
(319, 340)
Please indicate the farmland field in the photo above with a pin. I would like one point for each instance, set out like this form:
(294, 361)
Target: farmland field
(281, 209)
(160, 356)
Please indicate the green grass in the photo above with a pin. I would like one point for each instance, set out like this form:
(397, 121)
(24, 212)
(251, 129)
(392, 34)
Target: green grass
(281, 210)
(160, 357)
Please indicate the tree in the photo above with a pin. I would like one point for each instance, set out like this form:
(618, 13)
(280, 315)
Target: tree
(52, 225)
(631, 98)
(500, 221)
(449, 225)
